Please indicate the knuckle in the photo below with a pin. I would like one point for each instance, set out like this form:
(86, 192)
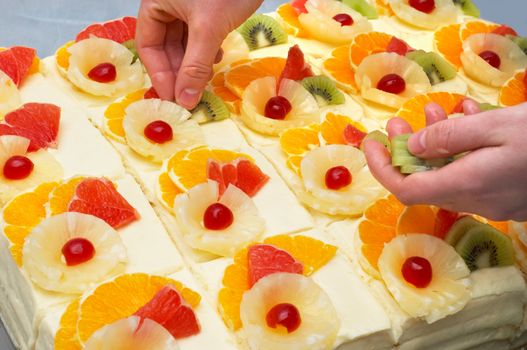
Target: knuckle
(198, 71)
(406, 198)
(442, 136)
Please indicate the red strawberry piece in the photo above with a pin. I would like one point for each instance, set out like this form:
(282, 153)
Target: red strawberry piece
(353, 136)
(296, 67)
(444, 221)
(169, 309)
(265, 259)
(299, 6)
(38, 122)
(505, 30)
(399, 46)
(151, 93)
(251, 178)
(99, 197)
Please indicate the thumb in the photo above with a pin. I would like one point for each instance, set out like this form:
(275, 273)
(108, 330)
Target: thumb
(196, 67)
(454, 136)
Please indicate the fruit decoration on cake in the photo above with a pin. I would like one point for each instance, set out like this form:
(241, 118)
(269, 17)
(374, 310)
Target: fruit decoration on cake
(261, 31)
(267, 280)
(431, 14)
(514, 91)
(162, 310)
(19, 62)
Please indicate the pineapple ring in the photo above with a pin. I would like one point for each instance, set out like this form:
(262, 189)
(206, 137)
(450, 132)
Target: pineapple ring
(234, 49)
(304, 110)
(43, 259)
(186, 133)
(46, 168)
(447, 293)
(512, 58)
(247, 226)
(9, 95)
(319, 320)
(446, 12)
(132, 333)
(350, 200)
(374, 67)
(319, 22)
(89, 53)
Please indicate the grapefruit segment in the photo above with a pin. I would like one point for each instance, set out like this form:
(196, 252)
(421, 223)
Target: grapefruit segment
(119, 30)
(296, 67)
(38, 122)
(398, 46)
(264, 259)
(151, 93)
(241, 173)
(168, 309)
(444, 221)
(17, 62)
(353, 136)
(99, 197)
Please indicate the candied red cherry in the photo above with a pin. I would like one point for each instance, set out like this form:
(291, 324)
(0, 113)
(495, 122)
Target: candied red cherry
(491, 58)
(426, 6)
(285, 315)
(77, 251)
(217, 217)
(417, 271)
(338, 177)
(18, 168)
(277, 108)
(159, 131)
(392, 83)
(344, 19)
(103, 73)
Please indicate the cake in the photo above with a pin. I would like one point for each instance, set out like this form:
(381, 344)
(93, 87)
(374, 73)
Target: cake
(253, 221)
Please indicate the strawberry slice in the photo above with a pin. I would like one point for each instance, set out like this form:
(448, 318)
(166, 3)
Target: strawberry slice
(299, 6)
(444, 221)
(99, 197)
(169, 309)
(265, 259)
(241, 173)
(38, 122)
(399, 46)
(353, 136)
(16, 62)
(150, 93)
(505, 30)
(296, 67)
(119, 30)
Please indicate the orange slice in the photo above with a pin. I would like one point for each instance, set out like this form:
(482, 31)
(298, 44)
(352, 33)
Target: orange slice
(189, 168)
(61, 196)
(332, 128)
(448, 43)
(514, 92)
(476, 27)
(366, 44)
(338, 66)
(413, 110)
(312, 253)
(289, 17)
(296, 142)
(114, 115)
(167, 190)
(240, 76)
(416, 219)
(218, 87)
(66, 337)
(126, 294)
(22, 214)
(62, 56)
(384, 8)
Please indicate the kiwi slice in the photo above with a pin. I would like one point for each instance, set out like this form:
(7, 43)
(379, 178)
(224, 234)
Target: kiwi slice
(362, 7)
(488, 107)
(460, 227)
(468, 7)
(436, 68)
(210, 108)
(483, 246)
(130, 45)
(521, 41)
(378, 136)
(324, 90)
(262, 31)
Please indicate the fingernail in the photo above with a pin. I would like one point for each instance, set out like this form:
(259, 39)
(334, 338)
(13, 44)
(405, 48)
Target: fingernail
(417, 143)
(188, 98)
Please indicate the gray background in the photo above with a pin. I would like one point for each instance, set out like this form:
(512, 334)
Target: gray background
(47, 24)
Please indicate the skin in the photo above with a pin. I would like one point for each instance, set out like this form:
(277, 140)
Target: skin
(180, 40)
(490, 180)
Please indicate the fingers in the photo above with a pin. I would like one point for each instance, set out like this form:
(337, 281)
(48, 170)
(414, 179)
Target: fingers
(398, 126)
(434, 113)
(471, 107)
(380, 164)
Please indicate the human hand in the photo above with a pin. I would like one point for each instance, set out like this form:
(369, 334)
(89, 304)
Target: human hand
(490, 181)
(179, 41)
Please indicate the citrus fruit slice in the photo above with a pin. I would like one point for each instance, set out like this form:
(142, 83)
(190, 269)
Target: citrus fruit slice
(296, 142)
(62, 195)
(114, 115)
(38, 122)
(66, 337)
(9, 95)
(335, 129)
(296, 68)
(241, 173)
(476, 27)
(447, 41)
(17, 62)
(166, 190)
(119, 30)
(264, 260)
(127, 294)
(170, 310)
(407, 222)
(100, 198)
(413, 110)
(238, 78)
(288, 16)
(218, 87)
(62, 57)
(366, 44)
(514, 92)
(338, 67)
(311, 253)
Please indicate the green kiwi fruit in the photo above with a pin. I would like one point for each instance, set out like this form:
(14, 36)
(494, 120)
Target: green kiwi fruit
(436, 68)
(378, 136)
(130, 45)
(488, 107)
(362, 7)
(412, 169)
(262, 31)
(402, 160)
(483, 246)
(521, 41)
(468, 7)
(324, 90)
(210, 108)
(460, 227)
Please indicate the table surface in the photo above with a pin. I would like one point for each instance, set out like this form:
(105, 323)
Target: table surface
(46, 25)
